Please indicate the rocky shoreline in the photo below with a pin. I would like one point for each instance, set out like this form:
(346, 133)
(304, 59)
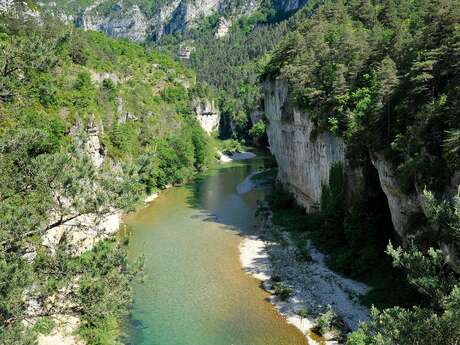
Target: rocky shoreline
(270, 256)
(237, 156)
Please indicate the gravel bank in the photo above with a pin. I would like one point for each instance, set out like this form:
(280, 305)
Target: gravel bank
(316, 289)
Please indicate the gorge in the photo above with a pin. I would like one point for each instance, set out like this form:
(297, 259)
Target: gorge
(312, 145)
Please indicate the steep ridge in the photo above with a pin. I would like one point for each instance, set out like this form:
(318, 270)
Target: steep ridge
(144, 20)
(305, 158)
(350, 108)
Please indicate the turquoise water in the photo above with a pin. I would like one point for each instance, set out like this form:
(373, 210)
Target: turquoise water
(195, 291)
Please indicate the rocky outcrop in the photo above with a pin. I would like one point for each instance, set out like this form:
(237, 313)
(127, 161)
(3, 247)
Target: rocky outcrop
(132, 21)
(6, 6)
(82, 233)
(99, 77)
(402, 206)
(123, 22)
(19, 9)
(187, 11)
(127, 20)
(222, 28)
(207, 115)
(87, 141)
(304, 158)
(93, 145)
(185, 50)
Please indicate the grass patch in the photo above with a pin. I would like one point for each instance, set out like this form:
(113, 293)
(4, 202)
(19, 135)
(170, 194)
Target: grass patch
(44, 325)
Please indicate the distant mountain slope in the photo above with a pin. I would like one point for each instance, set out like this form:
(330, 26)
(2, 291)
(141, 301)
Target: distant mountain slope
(150, 19)
(141, 20)
(220, 39)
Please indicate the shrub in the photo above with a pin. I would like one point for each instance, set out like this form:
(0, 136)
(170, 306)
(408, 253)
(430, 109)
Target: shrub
(231, 146)
(258, 130)
(303, 313)
(44, 326)
(324, 321)
(283, 291)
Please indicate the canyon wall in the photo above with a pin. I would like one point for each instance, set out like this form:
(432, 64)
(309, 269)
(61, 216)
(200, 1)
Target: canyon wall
(151, 20)
(305, 158)
(140, 22)
(207, 114)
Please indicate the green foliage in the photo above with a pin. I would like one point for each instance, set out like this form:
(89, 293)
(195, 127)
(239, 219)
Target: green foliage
(324, 321)
(382, 77)
(354, 239)
(230, 146)
(283, 291)
(59, 89)
(228, 65)
(258, 130)
(451, 147)
(44, 326)
(427, 270)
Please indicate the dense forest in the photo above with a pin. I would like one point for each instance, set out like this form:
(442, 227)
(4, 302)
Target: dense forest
(384, 76)
(58, 86)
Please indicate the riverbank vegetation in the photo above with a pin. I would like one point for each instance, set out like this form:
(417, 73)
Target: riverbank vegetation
(88, 125)
(355, 239)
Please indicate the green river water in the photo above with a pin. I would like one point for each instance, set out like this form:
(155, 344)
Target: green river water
(195, 291)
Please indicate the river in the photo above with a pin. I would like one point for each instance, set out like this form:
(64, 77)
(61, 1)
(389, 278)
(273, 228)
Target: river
(195, 291)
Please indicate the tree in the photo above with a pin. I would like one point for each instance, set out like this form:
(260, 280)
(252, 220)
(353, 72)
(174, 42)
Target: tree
(386, 82)
(437, 322)
(43, 188)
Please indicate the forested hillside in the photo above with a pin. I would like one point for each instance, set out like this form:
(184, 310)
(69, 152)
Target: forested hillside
(382, 77)
(88, 126)
(229, 64)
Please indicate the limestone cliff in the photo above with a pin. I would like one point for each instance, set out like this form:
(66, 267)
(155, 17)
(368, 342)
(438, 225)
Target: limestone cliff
(207, 114)
(305, 158)
(20, 9)
(149, 20)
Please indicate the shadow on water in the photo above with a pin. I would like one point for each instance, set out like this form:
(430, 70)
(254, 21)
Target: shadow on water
(236, 211)
(195, 292)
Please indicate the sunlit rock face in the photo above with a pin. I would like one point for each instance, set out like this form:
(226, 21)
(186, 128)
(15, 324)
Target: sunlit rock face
(151, 21)
(140, 22)
(222, 27)
(207, 115)
(123, 22)
(304, 159)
